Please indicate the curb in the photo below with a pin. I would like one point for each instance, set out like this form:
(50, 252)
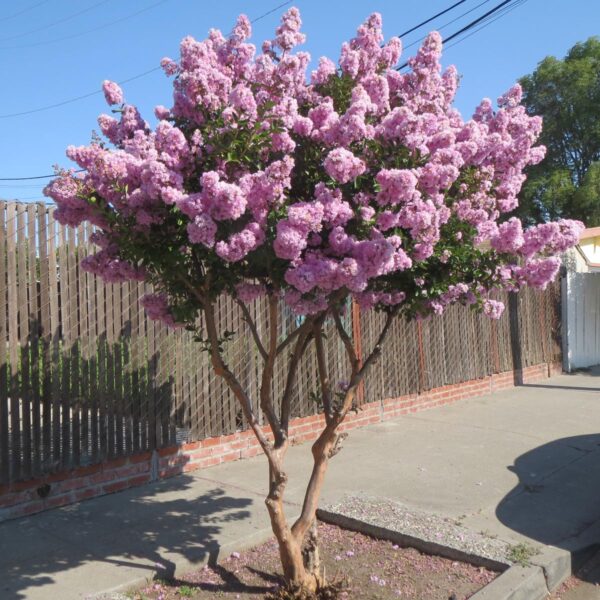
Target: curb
(404, 540)
(516, 583)
(546, 571)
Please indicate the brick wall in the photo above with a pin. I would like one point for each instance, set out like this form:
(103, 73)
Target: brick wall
(59, 489)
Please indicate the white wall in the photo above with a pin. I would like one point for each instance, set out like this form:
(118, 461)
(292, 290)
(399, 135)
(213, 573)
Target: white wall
(581, 320)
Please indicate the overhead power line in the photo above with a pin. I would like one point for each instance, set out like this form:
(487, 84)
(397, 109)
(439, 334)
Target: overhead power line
(499, 16)
(87, 31)
(36, 177)
(469, 26)
(443, 12)
(418, 41)
(21, 12)
(63, 20)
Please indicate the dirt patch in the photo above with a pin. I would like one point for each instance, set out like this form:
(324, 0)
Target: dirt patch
(375, 569)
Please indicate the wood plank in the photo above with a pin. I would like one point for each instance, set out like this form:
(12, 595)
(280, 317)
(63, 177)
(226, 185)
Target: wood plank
(110, 371)
(13, 344)
(65, 347)
(4, 460)
(55, 327)
(152, 384)
(73, 348)
(117, 361)
(45, 336)
(135, 376)
(92, 351)
(102, 290)
(83, 337)
(34, 339)
(126, 339)
(24, 348)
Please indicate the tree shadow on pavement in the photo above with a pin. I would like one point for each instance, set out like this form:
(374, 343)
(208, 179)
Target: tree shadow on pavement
(558, 495)
(142, 529)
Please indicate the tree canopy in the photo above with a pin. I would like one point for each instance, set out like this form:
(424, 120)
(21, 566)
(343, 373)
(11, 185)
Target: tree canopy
(566, 93)
(359, 182)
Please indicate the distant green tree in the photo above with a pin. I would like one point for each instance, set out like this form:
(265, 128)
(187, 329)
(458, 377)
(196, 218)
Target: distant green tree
(566, 93)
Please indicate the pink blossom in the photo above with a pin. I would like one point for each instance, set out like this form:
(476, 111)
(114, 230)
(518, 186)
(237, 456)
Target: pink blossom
(343, 166)
(112, 92)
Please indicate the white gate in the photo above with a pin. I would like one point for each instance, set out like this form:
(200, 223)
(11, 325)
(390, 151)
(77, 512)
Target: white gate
(581, 320)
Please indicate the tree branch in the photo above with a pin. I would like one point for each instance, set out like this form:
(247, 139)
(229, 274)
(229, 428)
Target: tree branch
(323, 371)
(266, 399)
(348, 344)
(248, 318)
(299, 349)
(221, 369)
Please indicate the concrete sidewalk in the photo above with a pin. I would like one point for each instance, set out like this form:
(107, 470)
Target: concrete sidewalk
(523, 464)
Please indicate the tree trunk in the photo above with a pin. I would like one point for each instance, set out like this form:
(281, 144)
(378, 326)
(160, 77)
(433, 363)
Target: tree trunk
(295, 573)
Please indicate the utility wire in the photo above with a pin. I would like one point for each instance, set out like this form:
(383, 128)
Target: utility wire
(499, 16)
(63, 20)
(21, 12)
(36, 177)
(430, 19)
(418, 41)
(470, 25)
(88, 31)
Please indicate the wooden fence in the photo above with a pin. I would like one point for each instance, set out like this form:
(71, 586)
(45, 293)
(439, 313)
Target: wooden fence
(85, 377)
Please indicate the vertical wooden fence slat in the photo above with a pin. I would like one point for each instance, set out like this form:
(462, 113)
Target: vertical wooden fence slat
(135, 375)
(54, 293)
(102, 290)
(4, 460)
(93, 342)
(127, 335)
(24, 346)
(46, 336)
(152, 382)
(110, 370)
(13, 344)
(82, 336)
(65, 348)
(73, 352)
(34, 330)
(117, 362)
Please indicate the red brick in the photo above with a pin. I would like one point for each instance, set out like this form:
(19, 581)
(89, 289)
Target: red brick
(102, 477)
(56, 501)
(21, 486)
(137, 458)
(138, 480)
(27, 509)
(71, 484)
(167, 451)
(116, 486)
(7, 500)
(191, 446)
(208, 442)
(86, 493)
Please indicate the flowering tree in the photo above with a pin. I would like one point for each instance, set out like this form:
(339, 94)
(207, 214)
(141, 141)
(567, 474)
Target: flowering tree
(359, 182)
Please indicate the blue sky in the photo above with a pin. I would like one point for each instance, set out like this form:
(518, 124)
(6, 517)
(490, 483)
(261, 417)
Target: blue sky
(59, 49)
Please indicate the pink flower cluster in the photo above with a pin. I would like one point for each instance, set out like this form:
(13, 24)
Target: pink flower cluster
(360, 180)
